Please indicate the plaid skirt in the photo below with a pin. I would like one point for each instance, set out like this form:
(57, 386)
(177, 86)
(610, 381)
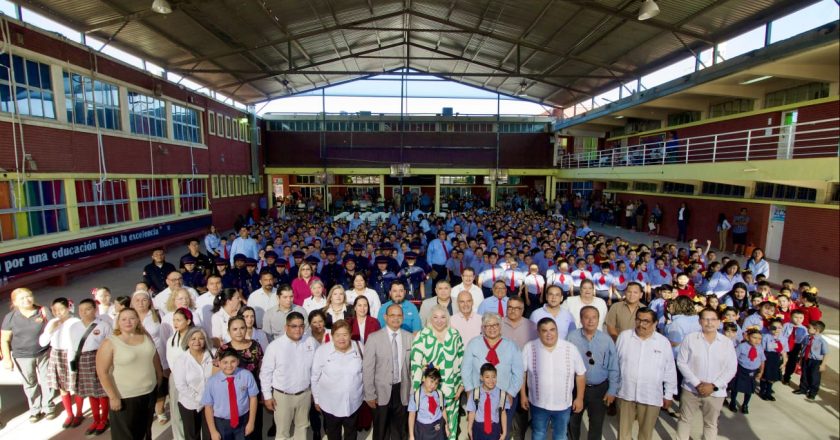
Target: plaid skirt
(59, 376)
(87, 382)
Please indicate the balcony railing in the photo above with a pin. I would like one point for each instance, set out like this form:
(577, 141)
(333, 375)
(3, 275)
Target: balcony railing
(795, 141)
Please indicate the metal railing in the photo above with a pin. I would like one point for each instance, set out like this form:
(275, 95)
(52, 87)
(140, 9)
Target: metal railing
(795, 141)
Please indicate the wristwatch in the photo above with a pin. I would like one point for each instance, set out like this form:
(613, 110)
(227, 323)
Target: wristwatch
(716, 388)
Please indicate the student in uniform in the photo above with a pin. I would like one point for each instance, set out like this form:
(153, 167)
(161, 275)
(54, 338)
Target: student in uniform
(426, 418)
(230, 399)
(775, 352)
(487, 399)
(58, 334)
(750, 368)
(89, 334)
(381, 278)
(796, 335)
(413, 277)
(580, 274)
(813, 357)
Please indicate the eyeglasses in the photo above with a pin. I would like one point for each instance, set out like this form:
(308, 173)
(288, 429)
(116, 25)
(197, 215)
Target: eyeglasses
(589, 355)
(515, 308)
(492, 325)
(644, 321)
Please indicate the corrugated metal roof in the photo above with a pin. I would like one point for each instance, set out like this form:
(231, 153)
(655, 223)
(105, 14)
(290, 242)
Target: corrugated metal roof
(566, 49)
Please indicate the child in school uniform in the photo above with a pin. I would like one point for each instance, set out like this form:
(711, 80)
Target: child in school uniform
(750, 368)
(797, 335)
(230, 399)
(775, 352)
(733, 332)
(813, 355)
(487, 398)
(426, 418)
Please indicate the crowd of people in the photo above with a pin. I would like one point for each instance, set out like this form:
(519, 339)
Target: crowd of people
(414, 327)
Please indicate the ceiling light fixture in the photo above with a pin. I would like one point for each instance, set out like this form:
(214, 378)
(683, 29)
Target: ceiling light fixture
(162, 7)
(648, 10)
(522, 86)
(620, 117)
(755, 80)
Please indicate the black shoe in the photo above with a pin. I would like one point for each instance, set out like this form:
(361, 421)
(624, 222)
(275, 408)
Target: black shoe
(811, 397)
(745, 409)
(785, 381)
(798, 391)
(733, 406)
(102, 427)
(762, 396)
(770, 398)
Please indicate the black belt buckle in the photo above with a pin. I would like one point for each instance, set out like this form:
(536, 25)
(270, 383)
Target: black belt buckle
(290, 394)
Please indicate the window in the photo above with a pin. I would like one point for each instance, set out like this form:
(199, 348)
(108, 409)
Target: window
(805, 92)
(234, 129)
(243, 129)
(362, 180)
(211, 122)
(193, 194)
(231, 186)
(732, 107)
(645, 186)
(775, 191)
(683, 118)
(86, 97)
(214, 184)
(677, 188)
(220, 125)
(835, 193)
(305, 180)
(722, 189)
(33, 93)
(154, 197)
(185, 124)
(223, 192)
(457, 180)
(102, 203)
(621, 186)
(32, 208)
(227, 127)
(147, 115)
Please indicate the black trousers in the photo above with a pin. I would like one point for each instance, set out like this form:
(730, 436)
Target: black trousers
(682, 227)
(390, 422)
(595, 408)
(340, 428)
(134, 420)
(793, 361)
(195, 424)
(811, 376)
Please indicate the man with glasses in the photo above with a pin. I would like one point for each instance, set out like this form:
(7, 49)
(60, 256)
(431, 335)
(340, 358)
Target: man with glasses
(285, 377)
(707, 361)
(554, 370)
(552, 309)
(174, 281)
(497, 303)
(502, 353)
(602, 375)
(648, 376)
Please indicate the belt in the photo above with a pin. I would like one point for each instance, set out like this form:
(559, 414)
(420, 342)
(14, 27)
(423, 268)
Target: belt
(597, 384)
(291, 394)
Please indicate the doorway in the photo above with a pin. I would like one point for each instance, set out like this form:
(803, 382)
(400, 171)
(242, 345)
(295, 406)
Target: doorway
(787, 132)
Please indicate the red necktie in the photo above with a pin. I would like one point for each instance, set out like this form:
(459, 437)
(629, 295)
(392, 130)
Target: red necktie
(562, 279)
(550, 263)
(621, 279)
(461, 263)
(662, 273)
(778, 346)
(640, 276)
(792, 338)
(326, 338)
(492, 357)
(432, 405)
(234, 407)
(501, 309)
(512, 281)
(807, 351)
(753, 353)
(493, 271)
(537, 282)
(445, 252)
(603, 280)
(488, 415)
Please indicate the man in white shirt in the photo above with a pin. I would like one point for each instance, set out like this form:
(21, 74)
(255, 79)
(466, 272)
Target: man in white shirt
(648, 376)
(707, 361)
(553, 369)
(468, 284)
(285, 376)
(263, 298)
(466, 321)
(586, 298)
(204, 303)
(174, 281)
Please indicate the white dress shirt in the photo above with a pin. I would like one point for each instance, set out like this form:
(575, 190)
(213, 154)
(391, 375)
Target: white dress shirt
(190, 377)
(475, 292)
(646, 366)
(701, 361)
(220, 326)
(467, 328)
(262, 301)
(337, 384)
(391, 334)
(551, 374)
(573, 304)
(101, 332)
(204, 307)
(312, 303)
(62, 337)
(287, 365)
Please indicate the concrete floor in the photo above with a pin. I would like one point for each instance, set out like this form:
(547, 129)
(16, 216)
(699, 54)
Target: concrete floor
(791, 416)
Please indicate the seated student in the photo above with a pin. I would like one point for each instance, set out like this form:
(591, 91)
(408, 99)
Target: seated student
(230, 398)
(426, 418)
(813, 357)
(487, 398)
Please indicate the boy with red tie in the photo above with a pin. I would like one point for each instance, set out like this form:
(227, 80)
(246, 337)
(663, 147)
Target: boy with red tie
(230, 399)
(485, 408)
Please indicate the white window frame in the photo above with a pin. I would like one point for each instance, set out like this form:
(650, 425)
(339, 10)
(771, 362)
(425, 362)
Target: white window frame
(227, 127)
(211, 122)
(220, 125)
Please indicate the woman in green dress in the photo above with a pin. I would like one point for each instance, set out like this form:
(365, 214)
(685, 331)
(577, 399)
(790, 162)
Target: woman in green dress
(440, 345)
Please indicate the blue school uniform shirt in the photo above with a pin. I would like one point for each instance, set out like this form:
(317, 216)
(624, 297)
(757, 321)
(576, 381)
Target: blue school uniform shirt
(744, 361)
(819, 348)
(422, 410)
(216, 392)
(800, 333)
(495, 394)
(755, 320)
(768, 343)
(604, 354)
(739, 333)
(680, 327)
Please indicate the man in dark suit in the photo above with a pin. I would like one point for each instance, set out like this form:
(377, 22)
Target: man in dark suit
(387, 385)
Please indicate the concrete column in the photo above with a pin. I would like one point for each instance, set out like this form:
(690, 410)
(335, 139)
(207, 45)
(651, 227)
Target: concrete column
(382, 186)
(437, 194)
(176, 196)
(133, 207)
(493, 193)
(72, 205)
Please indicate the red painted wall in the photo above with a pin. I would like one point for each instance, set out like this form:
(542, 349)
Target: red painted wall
(703, 216)
(811, 239)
